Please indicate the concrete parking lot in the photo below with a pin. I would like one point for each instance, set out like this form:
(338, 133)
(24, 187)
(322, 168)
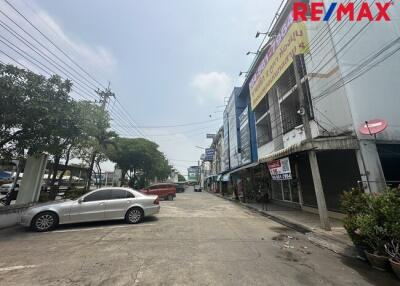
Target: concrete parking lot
(198, 239)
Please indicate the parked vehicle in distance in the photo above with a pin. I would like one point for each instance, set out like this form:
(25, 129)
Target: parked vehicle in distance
(180, 188)
(6, 188)
(163, 190)
(98, 205)
(197, 188)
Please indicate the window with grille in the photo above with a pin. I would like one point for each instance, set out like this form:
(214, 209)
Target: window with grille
(289, 112)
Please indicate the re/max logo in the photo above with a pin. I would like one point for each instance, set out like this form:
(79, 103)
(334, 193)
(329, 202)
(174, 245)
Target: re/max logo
(348, 10)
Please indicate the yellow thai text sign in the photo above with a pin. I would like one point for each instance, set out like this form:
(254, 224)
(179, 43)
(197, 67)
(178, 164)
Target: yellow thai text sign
(292, 40)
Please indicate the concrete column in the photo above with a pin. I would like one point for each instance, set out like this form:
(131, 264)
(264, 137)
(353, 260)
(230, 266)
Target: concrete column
(299, 187)
(319, 191)
(370, 166)
(29, 190)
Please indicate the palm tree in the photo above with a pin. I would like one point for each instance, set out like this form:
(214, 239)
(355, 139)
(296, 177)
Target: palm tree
(101, 143)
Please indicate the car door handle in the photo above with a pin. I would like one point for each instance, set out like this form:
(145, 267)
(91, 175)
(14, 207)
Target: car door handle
(101, 204)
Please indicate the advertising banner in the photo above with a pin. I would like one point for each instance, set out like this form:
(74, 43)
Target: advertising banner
(209, 154)
(245, 137)
(291, 40)
(280, 169)
(225, 155)
(193, 173)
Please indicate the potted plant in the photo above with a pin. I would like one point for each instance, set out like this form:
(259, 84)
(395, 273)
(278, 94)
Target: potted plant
(393, 250)
(373, 222)
(354, 203)
(376, 239)
(381, 224)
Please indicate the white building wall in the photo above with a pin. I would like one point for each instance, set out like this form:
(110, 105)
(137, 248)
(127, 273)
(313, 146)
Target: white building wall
(375, 93)
(265, 149)
(332, 112)
(233, 133)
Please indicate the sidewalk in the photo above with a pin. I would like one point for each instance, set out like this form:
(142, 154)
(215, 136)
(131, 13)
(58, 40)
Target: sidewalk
(307, 223)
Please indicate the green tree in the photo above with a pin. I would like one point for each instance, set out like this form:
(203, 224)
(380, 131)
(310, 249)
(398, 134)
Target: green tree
(140, 161)
(181, 178)
(96, 137)
(38, 115)
(32, 110)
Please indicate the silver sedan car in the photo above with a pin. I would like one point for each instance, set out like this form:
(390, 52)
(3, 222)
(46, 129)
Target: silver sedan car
(101, 204)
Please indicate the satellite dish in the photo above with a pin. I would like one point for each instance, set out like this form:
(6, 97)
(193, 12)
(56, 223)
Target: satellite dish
(374, 126)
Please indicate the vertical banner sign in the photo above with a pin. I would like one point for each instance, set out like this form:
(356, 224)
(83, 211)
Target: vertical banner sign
(245, 137)
(291, 40)
(209, 154)
(280, 169)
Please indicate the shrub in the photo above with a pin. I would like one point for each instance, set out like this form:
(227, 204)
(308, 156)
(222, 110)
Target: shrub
(354, 203)
(372, 220)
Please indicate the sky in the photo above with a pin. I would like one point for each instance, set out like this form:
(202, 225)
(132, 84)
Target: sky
(168, 62)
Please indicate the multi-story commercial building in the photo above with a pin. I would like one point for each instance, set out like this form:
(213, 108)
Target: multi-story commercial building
(312, 86)
(217, 165)
(309, 92)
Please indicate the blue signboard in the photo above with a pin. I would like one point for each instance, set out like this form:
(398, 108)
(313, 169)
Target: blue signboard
(209, 154)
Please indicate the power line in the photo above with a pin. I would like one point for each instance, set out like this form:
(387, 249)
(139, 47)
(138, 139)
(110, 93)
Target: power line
(24, 66)
(178, 125)
(56, 46)
(52, 62)
(39, 52)
(131, 119)
(26, 3)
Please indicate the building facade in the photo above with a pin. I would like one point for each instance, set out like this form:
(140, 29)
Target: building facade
(293, 127)
(310, 99)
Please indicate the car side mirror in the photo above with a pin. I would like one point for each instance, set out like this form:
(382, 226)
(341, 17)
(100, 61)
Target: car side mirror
(80, 201)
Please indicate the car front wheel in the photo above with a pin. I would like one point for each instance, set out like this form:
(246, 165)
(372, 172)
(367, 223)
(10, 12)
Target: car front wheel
(44, 221)
(134, 215)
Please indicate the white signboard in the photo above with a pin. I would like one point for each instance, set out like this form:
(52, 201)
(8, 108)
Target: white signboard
(280, 169)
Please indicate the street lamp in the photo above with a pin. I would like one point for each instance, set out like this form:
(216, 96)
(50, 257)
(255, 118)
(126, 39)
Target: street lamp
(203, 148)
(251, 53)
(260, 33)
(241, 73)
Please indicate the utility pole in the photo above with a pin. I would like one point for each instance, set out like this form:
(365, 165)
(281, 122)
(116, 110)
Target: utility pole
(104, 95)
(198, 172)
(312, 156)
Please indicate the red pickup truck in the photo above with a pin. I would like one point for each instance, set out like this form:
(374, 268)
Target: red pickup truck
(164, 190)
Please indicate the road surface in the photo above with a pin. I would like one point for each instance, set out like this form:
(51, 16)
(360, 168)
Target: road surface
(198, 239)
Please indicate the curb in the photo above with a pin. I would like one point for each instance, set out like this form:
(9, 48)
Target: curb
(319, 239)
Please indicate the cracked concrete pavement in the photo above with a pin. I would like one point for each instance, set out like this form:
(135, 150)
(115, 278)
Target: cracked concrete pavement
(198, 239)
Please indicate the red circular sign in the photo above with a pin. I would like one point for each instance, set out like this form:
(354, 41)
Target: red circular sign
(374, 126)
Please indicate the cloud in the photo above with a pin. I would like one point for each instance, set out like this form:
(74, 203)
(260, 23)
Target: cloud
(212, 86)
(93, 58)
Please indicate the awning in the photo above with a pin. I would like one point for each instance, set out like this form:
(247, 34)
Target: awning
(225, 178)
(319, 144)
(245, 167)
(283, 152)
